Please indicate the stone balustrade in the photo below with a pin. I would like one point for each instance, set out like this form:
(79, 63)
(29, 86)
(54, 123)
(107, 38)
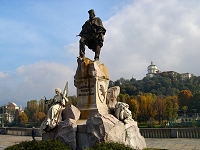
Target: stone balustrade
(19, 131)
(170, 132)
(145, 132)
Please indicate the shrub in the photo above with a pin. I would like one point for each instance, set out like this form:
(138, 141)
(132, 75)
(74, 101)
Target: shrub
(110, 146)
(39, 145)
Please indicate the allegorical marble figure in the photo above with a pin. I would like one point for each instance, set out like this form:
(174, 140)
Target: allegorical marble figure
(55, 109)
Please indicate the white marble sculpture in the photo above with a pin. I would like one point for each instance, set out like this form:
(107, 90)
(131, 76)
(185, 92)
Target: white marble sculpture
(111, 98)
(54, 112)
(107, 128)
(122, 112)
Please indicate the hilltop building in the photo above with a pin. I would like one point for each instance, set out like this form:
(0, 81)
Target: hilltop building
(152, 70)
(186, 76)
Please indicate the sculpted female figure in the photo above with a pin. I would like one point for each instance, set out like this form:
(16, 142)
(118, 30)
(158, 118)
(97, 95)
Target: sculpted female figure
(55, 110)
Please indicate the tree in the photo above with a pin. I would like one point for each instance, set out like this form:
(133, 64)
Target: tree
(32, 110)
(196, 99)
(40, 117)
(41, 106)
(185, 98)
(72, 100)
(160, 107)
(123, 98)
(131, 90)
(23, 118)
(147, 110)
(171, 108)
(184, 108)
(134, 108)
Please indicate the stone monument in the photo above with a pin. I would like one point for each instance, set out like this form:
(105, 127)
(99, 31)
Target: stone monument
(91, 80)
(97, 117)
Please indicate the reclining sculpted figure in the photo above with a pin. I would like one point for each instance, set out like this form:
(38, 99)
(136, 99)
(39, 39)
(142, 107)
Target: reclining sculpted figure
(122, 112)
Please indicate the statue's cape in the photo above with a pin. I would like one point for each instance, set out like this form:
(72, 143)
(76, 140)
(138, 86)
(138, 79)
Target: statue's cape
(94, 27)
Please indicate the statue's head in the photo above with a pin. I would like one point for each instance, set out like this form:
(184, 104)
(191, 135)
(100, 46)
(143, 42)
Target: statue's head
(91, 13)
(58, 91)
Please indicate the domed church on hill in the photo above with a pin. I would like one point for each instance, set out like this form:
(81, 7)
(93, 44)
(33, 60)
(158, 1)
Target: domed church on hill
(152, 70)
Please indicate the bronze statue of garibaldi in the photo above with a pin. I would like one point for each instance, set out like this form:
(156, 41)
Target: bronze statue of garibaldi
(92, 35)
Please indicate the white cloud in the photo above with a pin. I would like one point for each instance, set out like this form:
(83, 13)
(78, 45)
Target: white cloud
(72, 48)
(37, 80)
(165, 32)
(3, 75)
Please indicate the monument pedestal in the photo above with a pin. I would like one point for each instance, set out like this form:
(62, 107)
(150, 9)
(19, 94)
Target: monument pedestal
(92, 81)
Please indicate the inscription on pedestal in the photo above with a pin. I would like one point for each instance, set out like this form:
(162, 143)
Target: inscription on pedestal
(86, 90)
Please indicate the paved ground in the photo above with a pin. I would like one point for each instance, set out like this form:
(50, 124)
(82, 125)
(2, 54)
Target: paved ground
(167, 144)
(173, 143)
(8, 140)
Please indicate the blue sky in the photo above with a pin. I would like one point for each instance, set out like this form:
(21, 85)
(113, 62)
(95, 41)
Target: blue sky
(39, 47)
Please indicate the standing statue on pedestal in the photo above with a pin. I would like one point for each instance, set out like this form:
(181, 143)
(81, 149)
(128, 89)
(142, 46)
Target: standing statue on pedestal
(55, 109)
(92, 35)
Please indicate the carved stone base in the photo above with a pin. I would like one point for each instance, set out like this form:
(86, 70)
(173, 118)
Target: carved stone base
(91, 80)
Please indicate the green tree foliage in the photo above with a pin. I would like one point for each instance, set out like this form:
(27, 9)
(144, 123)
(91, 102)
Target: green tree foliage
(41, 107)
(196, 101)
(171, 108)
(123, 98)
(184, 108)
(166, 84)
(32, 110)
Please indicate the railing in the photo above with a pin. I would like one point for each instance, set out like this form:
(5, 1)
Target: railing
(155, 133)
(189, 133)
(19, 131)
(170, 132)
(145, 132)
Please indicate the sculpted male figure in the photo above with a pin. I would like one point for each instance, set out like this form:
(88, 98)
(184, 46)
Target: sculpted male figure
(92, 35)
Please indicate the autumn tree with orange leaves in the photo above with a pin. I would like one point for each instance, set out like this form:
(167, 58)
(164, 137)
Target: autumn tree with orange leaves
(134, 108)
(40, 117)
(185, 98)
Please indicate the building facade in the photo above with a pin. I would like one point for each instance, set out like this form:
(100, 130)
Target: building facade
(152, 70)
